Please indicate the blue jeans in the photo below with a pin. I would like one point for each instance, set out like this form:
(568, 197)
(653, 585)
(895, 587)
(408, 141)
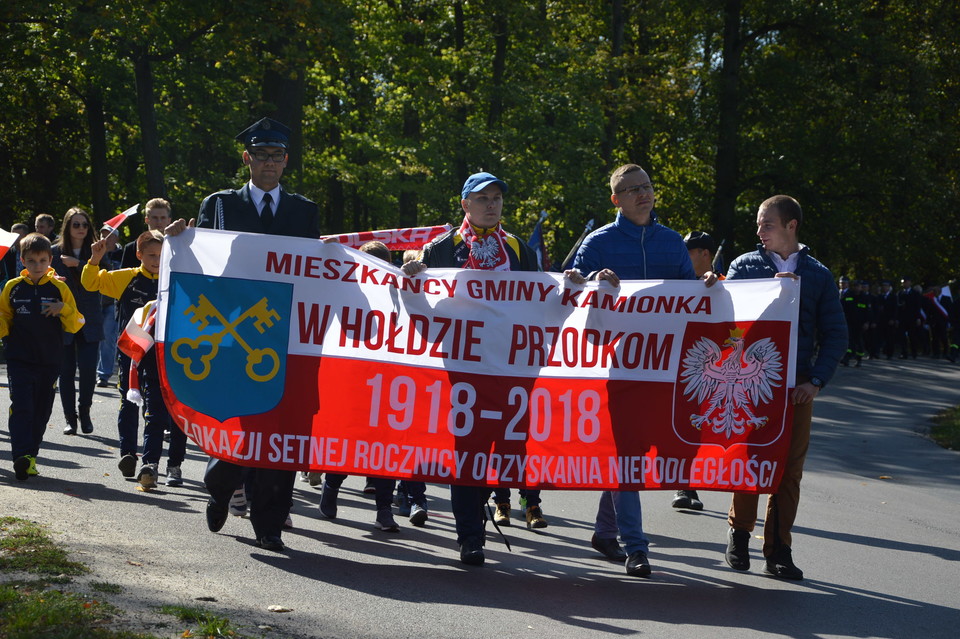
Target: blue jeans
(620, 511)
(467, 503)
(83, 355)
(156, 419)
(108, 346)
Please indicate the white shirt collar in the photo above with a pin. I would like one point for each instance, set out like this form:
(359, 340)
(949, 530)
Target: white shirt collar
(257, 194)
(788, 265)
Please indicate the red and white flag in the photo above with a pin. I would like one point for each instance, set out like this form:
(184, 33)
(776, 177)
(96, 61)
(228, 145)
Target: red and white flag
(114, 223)
(394, 239)
(7, 240)
(134, 342)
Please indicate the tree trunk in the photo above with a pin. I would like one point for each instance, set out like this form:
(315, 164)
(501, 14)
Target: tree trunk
(149, 137)
(617, 24)
(501, 41)
(336, 202)
(727, 161)
(97, 132)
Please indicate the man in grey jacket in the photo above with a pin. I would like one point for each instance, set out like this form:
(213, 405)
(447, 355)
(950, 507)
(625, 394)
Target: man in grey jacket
(821, 322)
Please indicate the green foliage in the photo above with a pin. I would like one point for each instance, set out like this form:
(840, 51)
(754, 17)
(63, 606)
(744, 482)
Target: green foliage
(946, 428)
(847, 105)
(26, 546)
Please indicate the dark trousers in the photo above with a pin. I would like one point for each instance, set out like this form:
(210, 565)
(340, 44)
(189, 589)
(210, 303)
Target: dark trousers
(128, 419)
(83, 355)
(502, 496)
(384, 488)
(32, 394)
(270, 491)
(467, 503)
(156, 419)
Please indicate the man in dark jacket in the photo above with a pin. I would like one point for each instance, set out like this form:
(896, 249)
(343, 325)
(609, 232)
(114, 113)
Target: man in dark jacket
(480, 243)
(260, 206)
(821, 322)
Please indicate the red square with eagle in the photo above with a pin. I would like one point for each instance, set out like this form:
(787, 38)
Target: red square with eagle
(732, 383)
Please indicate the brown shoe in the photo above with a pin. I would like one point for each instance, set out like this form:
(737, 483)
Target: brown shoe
(535, 518)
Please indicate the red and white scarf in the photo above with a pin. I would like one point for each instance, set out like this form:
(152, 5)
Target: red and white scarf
(487, 253)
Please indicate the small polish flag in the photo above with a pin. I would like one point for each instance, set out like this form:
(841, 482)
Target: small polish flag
(134, 342)
(114, 222)
(7, 240)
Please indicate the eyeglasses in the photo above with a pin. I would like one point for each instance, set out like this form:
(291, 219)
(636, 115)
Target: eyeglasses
(263, 156)
(635, 190)
(80, 225)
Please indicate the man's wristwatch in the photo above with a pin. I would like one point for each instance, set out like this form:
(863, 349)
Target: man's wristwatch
(816, 381)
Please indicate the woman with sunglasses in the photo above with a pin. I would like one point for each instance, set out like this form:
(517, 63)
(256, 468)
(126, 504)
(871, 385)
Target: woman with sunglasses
(81, 349)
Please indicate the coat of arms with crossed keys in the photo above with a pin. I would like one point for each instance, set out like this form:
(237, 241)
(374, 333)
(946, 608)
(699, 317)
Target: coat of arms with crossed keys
(736, 379)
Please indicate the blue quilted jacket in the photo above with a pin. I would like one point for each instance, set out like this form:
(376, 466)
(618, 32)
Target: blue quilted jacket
(651, 252)
(821, 320)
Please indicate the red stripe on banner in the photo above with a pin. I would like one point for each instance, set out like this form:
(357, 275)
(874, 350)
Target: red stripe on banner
(390, 420)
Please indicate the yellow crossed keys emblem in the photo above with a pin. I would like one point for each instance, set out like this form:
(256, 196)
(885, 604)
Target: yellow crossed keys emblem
(200, 315)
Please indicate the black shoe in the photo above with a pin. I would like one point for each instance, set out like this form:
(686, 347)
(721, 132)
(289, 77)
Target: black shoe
(216, 516)
(687, 499)
(103, 383)
(608, 547)
(471, 552)
(20, 467)
(86, 424)
(738, 551)
(71, 428)
(128, 465)
(637, 564)
(780, 564)
(271, 542)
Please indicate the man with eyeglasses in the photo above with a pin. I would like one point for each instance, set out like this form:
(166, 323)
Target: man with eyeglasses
(635, 246)
(260, 206)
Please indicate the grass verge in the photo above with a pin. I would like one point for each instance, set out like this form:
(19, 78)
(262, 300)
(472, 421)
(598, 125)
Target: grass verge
(31, 608)
(946, 428)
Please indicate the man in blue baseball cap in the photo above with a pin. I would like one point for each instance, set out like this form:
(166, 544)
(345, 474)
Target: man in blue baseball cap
(481, 243)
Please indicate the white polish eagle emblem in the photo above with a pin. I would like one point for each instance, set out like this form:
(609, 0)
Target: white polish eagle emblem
(735, 379)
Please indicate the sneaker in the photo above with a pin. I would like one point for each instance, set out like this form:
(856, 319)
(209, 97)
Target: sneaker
(174, 476)
(418, 515)
(738, 551)
(369, 488)
(314, 479)
(687, 499)
(535, 518)
(780, 564)
(32, 468)
(328, 501)
(71, 428)
(148, 476)
(502, 516)
(20, 467)
(385, 521)
(127, 465)
(303, 476)
(637, 564)
(103, 383)
(238, 503)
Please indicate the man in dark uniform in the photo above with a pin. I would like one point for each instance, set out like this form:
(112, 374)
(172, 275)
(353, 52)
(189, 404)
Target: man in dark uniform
(260, 206)
(909, 321)
(857, 315)
(886, 310)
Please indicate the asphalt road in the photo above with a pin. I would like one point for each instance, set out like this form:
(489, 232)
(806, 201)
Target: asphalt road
(878, 537)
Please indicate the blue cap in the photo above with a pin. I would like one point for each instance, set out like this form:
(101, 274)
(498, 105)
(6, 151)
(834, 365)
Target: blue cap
(480, 181)
(265, 132)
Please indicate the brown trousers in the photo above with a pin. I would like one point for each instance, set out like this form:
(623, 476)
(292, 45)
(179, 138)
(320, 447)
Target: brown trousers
(782, 505)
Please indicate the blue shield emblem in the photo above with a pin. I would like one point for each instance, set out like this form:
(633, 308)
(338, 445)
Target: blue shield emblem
(226, 343)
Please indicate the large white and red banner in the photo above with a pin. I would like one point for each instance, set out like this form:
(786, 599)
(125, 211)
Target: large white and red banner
(287, 353)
